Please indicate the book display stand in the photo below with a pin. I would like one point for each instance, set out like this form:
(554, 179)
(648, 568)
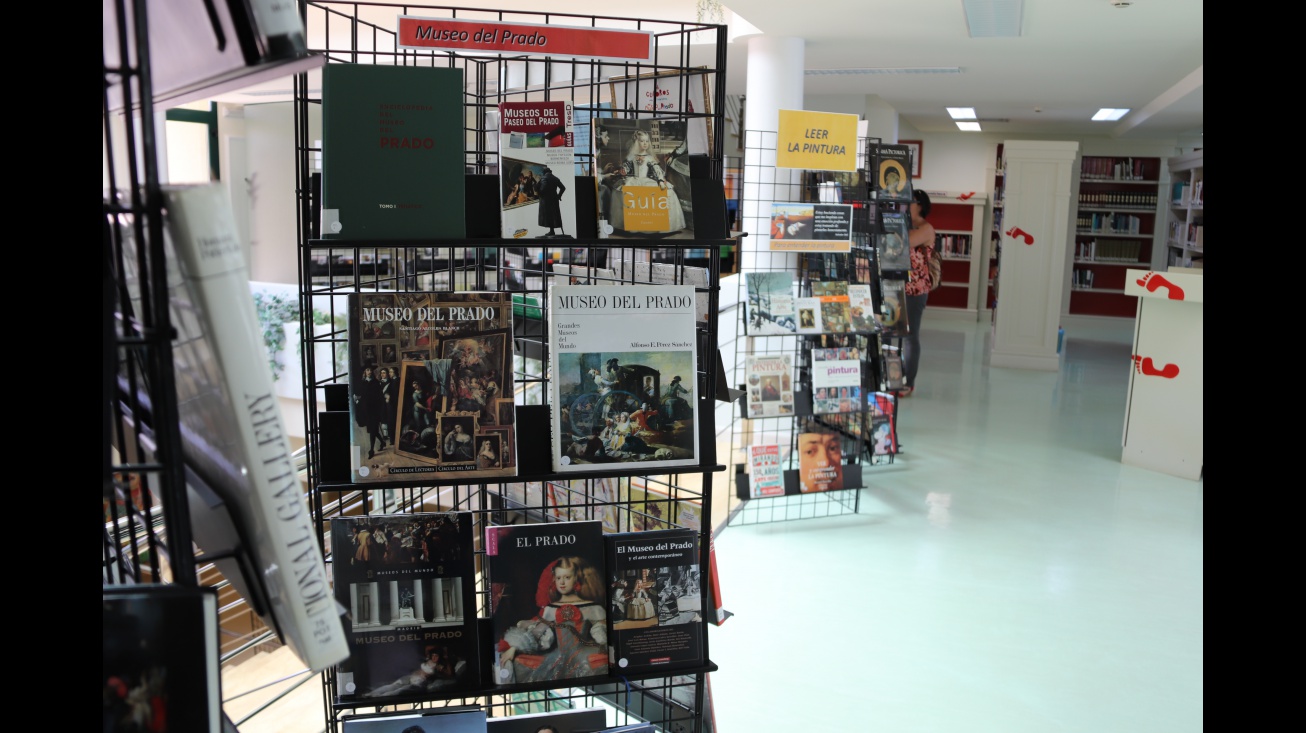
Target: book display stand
(684, 84)
(156, 508)
(783, 359)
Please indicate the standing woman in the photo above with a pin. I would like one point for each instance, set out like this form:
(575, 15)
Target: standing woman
(921, 239)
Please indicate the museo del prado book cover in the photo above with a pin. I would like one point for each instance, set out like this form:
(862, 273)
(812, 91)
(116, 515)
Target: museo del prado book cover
(623, 402)
(431, 388)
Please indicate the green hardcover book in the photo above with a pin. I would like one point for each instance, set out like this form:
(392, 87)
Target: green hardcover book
(392, 152)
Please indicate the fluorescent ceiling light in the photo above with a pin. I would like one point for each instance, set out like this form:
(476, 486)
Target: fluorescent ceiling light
(993, 18)
(962, 113)
(968, 126)
(887, 70)
(1107, 113)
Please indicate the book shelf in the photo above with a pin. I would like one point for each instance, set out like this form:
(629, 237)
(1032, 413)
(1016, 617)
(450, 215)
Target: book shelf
(990, 259)
(1117, 211)
(1184, 211)
(626, 497)
(959, 236)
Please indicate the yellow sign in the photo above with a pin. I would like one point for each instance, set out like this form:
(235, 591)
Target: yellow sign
(820, 141)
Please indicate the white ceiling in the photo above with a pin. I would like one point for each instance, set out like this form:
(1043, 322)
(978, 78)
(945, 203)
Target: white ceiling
(1072, 57)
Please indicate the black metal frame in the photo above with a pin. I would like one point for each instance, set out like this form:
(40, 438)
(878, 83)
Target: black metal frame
(519, 266)
(856, 443)
(147, 534)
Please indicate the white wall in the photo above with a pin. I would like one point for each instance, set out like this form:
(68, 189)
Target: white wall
(274, 208)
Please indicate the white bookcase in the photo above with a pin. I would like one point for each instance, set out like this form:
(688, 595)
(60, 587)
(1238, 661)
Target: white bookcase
(959, 235)
(1184, 222)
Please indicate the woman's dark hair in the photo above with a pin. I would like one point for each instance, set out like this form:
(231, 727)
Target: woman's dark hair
(923, 199)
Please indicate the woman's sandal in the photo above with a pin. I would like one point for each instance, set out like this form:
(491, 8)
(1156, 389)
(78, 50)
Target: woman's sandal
(906, 391)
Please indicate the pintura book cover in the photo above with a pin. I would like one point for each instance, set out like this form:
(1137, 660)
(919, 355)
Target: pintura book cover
(893, 177)
(431, 385)
(408, 581)
(548, 601)
(769, 385)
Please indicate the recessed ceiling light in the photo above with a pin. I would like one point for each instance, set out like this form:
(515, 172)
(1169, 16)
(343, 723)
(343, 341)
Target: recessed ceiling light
(1107, 113)
(962, 113)
(968, 126)
(993, 18)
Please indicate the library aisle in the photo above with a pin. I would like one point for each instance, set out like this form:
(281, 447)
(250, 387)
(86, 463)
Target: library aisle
(1008, 574)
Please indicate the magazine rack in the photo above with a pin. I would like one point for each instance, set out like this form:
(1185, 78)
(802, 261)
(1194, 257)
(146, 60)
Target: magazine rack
(858, 266)
(147, 489)
(362, 33)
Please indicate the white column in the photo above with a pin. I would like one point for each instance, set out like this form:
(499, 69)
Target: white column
(419, 603)
(775, 82)
(456, 593)
(439, 599)
(393, 587)
(881, 119)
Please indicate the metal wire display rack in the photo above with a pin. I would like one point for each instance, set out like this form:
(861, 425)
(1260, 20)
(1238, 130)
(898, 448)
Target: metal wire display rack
(765, 183)
(364, 33)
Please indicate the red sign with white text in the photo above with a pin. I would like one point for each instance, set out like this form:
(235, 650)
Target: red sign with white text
(487, 36)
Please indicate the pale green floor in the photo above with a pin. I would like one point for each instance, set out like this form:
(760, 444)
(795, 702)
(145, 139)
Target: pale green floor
(1008, 573)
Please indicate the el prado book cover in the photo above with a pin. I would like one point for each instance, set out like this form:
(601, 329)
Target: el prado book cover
(548, 601)
(431, 388)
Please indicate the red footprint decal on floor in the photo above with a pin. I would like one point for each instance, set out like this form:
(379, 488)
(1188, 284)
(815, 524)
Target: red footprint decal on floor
(965, 196)
(1153, 282)
(1018, 232)
(1146, 367)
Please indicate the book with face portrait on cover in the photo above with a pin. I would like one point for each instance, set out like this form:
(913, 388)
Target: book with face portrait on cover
(768, 385)
(408, 583)
(431, 385)
(820, 462)
(836, 380)
(548, 602)
(892, 181)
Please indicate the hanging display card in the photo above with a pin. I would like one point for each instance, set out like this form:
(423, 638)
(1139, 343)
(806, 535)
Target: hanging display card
(810, 227)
